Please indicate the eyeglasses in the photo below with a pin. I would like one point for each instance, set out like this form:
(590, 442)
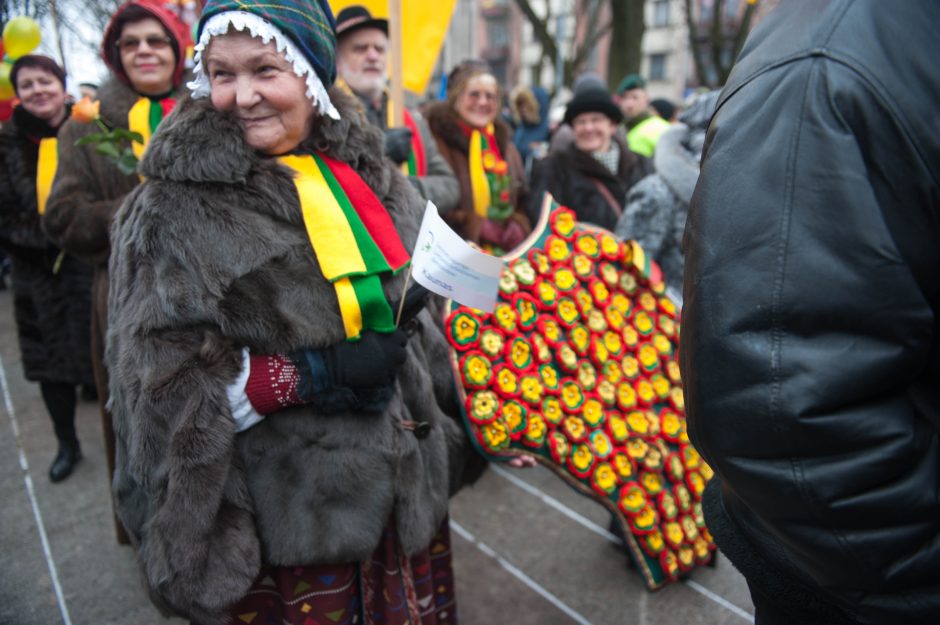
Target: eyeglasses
(154, 42)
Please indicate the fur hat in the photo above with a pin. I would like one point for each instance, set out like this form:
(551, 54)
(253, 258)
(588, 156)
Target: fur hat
(355, 17)
(592, 100)
(304, 31)
(134, 11)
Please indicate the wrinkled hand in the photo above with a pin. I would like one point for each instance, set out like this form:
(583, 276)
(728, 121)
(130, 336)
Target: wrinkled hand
(370, 362)
(522, 462)
(398, 144)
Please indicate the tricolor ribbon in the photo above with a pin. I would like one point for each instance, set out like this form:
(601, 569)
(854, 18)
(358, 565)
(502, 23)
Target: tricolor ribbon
(144, 117)
(482, 147)
(353, 238)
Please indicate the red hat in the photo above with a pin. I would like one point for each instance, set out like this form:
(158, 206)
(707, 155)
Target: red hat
(133, 11)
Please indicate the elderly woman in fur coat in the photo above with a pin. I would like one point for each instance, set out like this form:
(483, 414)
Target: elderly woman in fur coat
(282, 448)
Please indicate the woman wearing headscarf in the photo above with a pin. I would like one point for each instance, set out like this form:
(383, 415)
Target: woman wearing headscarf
(144, 46)
(270, 223)
(478, 146)
(51, 290)
(593, 174)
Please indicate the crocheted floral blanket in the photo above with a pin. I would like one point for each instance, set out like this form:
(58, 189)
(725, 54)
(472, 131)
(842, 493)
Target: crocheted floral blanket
(577, 367)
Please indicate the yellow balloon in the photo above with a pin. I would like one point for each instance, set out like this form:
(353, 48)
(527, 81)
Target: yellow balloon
(20, 36)
(6, 87)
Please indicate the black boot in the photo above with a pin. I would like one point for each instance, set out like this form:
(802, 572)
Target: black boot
(65, 461)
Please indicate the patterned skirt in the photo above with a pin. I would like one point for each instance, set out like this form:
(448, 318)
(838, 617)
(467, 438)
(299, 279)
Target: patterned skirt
(388, 589)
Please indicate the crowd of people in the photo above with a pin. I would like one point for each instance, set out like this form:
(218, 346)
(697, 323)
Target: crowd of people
(243, 276)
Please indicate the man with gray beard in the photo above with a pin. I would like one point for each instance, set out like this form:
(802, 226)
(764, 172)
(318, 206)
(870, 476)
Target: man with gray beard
(361, 63)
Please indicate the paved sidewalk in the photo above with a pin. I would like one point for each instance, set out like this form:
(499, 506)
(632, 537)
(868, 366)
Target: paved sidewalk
(528, 550)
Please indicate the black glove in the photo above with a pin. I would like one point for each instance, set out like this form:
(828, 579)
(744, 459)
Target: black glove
(398, 144)
(415, 299)
(352, 375)
(371, 361)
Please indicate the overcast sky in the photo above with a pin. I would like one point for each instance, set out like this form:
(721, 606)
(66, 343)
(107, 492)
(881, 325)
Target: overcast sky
(83, 63)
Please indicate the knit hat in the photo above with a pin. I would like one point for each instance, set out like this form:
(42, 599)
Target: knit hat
(355, 17)
(631, 81)
(593, 100)
(136, 10)
(304, 31)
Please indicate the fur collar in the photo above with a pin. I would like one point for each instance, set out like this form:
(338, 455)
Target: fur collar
(197, 143)
(591, 167)
(31, 126)
(677, 166)
(117, 99)
(443, 122)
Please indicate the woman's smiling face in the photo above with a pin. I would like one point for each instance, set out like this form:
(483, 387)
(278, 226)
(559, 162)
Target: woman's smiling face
(478, 103)
(255, 83)
(147, 56)
(41, 94)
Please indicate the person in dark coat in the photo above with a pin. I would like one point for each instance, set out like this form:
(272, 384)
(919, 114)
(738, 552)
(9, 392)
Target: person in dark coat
(592, 175)
(810, 348)
(51, 289)
(89, 187)
(361, 59)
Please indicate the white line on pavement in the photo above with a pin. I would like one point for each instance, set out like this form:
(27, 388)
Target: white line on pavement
(30, 492)
(597, 529)
(516, 572)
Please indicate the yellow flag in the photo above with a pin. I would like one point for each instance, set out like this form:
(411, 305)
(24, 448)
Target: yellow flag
(423, 30)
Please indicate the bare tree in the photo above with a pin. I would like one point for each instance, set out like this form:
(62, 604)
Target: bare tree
(595, 26)
(626, 51)
(715, 45)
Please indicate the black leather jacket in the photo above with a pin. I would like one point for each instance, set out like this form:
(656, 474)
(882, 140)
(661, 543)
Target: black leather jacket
(810, 340)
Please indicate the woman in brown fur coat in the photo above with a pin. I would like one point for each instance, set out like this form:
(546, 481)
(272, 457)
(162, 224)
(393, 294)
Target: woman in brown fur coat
(478, 146)
(89, 187)
(327, 492)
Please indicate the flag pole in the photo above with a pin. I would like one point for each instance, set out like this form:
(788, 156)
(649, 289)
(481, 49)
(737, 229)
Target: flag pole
(404, 292)
(397, 91)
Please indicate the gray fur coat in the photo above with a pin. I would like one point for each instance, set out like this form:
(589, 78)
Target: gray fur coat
(658, 205)
(211, 255)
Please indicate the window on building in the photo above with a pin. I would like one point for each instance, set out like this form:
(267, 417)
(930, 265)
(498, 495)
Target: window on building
(661, 13)
(657, 67)
(497, 33)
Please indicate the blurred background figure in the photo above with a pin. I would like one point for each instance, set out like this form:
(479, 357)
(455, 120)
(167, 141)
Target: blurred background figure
(144, 46)
(478, 145)
(530, 114)
(658, 205)
(88, 90)
(51, 289)
(644, 127)
(361, 67)
(665, 109)
(592, 175)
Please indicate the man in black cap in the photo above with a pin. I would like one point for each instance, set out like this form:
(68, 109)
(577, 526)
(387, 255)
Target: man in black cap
(361, 61)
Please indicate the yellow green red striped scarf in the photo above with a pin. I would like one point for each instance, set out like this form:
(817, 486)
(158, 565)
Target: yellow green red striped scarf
(352, 236)
(144, 117)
